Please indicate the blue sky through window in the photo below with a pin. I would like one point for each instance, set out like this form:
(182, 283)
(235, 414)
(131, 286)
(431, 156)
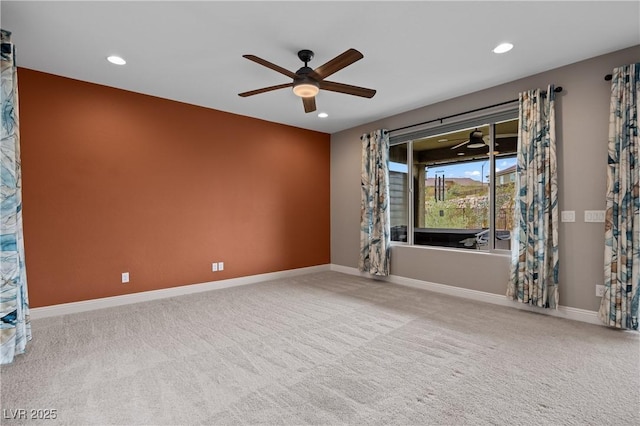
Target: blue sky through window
(473, 170)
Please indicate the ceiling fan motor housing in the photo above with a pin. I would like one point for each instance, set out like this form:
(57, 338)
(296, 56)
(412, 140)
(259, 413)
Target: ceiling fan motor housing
(476, 134)
(302, 77)
(303, 72)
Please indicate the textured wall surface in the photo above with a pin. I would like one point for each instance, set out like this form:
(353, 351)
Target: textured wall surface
(582, 121)
(116, 181)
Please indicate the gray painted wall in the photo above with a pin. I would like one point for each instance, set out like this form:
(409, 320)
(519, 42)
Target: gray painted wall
(582, 121)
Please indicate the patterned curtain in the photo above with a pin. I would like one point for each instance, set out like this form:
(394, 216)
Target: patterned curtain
(534, 259)
(375, 228)
(619, 305)
(15, 329)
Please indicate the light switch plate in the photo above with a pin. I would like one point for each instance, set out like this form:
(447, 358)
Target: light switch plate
(568, 216)
(594, 215)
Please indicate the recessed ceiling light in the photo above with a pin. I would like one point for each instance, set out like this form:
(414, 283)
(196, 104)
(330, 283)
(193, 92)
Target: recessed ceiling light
(323, 115)
(116, 60)
(503, 47)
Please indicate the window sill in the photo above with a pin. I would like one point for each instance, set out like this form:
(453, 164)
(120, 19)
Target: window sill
(451, 249)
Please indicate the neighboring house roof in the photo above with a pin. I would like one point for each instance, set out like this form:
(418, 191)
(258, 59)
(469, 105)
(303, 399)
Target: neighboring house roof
(507, 171)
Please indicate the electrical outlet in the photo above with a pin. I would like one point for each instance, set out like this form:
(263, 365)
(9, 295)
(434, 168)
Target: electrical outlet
(214, 267)
(125, 277)
(220, 266)
(599, 290)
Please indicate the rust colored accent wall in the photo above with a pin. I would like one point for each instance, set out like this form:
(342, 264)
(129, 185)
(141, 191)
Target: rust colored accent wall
(115, 181)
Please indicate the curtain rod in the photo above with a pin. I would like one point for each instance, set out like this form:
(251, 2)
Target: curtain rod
(556, 90)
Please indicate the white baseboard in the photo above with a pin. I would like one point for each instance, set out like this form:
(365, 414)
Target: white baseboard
(567, 312)
(145, 296)
(126, 299)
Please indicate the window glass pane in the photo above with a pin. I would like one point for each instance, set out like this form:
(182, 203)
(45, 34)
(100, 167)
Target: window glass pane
(398, 192)
(456, 204)
(505, 176)
(449, 199)
(451, 181)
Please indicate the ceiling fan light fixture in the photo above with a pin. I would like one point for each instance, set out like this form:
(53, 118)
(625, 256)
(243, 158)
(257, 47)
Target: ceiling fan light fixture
(476, 145)
(306, 88)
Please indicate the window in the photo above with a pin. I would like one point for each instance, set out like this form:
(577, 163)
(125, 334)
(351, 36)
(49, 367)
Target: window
(399, 192)
(454, 185)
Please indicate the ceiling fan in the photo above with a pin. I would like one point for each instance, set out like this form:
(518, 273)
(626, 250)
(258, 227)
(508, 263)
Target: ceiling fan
(478, 140)
(308, 82)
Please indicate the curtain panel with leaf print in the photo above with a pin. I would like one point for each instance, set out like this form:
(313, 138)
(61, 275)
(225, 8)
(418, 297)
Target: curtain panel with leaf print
(15, 329)
(534, 260)
(619, 305)
(375, 228)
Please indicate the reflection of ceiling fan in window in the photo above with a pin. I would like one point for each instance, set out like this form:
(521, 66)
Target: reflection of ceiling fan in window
(478, 140)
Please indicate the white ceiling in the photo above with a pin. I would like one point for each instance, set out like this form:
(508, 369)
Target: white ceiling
(415, 53)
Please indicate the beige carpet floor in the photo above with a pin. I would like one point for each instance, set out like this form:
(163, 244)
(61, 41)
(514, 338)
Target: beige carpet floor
(323, 349)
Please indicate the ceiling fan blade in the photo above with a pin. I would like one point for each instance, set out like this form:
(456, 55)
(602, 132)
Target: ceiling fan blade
(347, 88)
(461, 144)
(270, 65)
(336, 64)
(264, 89)
(486, 138)
(309, 104)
